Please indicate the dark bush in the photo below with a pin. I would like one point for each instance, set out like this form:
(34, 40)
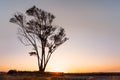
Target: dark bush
(12, 72)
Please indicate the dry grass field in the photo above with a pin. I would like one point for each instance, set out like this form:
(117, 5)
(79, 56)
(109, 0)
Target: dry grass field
(55, 76)
(8, 77)
(31, 76)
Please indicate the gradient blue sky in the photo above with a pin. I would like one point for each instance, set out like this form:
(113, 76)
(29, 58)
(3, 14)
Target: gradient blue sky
(93, 27)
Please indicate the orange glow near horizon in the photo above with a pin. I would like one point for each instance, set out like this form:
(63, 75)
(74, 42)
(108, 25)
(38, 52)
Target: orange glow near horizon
(59, 63)
(68, 70)
(55, 69)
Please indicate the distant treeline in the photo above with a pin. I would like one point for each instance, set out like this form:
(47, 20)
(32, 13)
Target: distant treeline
(14, 72)
(95, 74)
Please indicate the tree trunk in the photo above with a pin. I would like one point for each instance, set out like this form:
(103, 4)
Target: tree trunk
(42, 60)
(38, 61)
(42, 71)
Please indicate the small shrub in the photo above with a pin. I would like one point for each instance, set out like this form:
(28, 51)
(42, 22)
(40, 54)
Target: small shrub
(12, 72)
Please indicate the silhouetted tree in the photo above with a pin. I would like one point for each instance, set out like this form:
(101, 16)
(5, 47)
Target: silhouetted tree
(37, 30)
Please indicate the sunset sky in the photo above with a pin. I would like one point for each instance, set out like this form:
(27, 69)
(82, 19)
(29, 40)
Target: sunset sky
(93, 28)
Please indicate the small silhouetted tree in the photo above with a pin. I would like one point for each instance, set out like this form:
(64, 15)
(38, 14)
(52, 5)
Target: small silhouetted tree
(36, 30)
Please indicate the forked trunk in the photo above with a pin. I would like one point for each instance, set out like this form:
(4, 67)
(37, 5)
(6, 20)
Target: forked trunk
(42, 64)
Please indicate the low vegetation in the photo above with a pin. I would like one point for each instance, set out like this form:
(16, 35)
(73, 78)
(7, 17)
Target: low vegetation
(27, 75)
(24, 75)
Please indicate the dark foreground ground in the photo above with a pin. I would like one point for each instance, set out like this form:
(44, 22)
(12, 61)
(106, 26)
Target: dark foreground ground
(59, 76)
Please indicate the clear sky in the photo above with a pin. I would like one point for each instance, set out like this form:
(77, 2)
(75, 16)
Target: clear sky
(93, 28)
